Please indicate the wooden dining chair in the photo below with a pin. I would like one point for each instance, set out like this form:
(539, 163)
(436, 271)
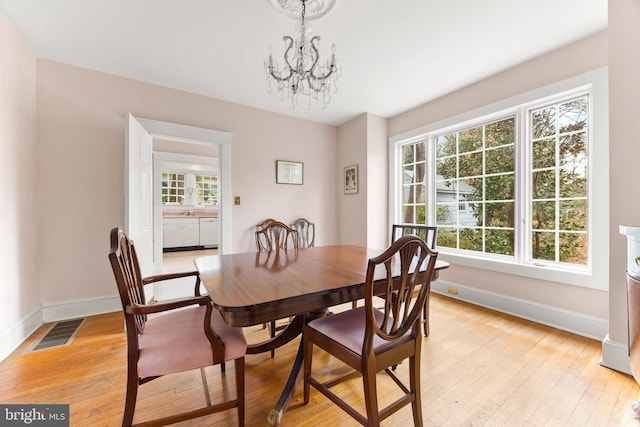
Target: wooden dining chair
(182, 335)
(275, 236)
(272, 235)
(306, 232)
(370, 340)
(430, 235)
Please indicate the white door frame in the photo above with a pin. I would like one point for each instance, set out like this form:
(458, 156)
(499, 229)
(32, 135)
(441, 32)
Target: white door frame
(195, 135)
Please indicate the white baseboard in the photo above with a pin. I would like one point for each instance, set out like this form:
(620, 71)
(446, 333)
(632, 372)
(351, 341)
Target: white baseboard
(615, 355)
(580, 324)
(23, 328)
(80, 308)
(18, 332)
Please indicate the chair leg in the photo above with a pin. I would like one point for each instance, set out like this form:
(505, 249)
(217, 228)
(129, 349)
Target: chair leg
(307, 357)
(130, 400)
(371, 395)
(414, 385)
(354, 304)
(205, 386)
(239, 369)
(425, 315)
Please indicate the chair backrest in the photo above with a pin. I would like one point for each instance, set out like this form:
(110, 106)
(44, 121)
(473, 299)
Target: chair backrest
(124, 263)
(306, 232)
(426, 232)
(276, 235)
(406, 269)
(261, 240)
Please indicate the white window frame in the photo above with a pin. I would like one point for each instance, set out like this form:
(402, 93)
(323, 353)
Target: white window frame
(178, 189)
(595, 275)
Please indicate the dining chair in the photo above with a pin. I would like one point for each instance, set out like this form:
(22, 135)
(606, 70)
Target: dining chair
(306, 232)
(272, 235)
(371, 340)
(260, 227)
(171, 337)
(275, 236)
(429, 234)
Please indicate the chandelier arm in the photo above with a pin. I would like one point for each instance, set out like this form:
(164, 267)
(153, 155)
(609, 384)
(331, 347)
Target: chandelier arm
(291, 70)
(316, 55)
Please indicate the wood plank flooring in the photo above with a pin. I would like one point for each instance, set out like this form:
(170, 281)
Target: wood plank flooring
(479, 368)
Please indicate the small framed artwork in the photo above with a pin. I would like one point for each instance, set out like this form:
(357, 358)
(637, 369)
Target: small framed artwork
(288, 172)
(351, 179)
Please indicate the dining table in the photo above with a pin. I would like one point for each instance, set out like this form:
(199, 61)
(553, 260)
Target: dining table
(258, 287)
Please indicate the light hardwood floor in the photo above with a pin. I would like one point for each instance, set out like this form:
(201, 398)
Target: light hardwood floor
(479, 368)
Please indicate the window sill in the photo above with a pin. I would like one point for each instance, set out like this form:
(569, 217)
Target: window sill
(585, 278)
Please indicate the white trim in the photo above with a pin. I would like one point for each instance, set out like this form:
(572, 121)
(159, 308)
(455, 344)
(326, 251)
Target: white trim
(615, 356)
(19, 332)
(196, 135)
(576, 323)
(80, 308)
(184, 133)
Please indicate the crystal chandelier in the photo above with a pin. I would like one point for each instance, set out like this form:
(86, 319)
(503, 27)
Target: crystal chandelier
(302, 73)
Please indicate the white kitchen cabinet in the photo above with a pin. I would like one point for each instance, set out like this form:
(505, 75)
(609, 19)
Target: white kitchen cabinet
(209, 232)
(180, 232)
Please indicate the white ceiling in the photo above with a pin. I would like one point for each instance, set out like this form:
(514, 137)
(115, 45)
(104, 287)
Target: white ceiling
(395, 55)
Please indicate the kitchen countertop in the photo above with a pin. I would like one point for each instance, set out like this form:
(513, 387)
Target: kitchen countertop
(190, 214)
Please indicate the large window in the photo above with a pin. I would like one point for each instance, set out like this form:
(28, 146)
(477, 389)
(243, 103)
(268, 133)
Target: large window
(475, 187)
(515, 185)
(559, 135)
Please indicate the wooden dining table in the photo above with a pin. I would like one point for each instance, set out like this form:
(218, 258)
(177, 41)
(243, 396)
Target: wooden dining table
(255, 288)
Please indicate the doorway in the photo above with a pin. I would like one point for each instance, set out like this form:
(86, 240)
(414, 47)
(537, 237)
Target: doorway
(141, 219)
(186, 194)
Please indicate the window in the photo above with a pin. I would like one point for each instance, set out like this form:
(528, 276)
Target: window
(413, 183)
(172, 188)
(188, 188)
(206, 190)
(510, 185)
(559, 135)
(475, 187)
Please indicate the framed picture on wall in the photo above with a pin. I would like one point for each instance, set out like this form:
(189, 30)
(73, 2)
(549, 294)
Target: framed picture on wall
(289, 172)
(351, 179)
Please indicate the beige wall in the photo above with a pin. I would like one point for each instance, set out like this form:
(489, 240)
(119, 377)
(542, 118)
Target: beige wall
(352, 208)
(18, 188)
(363, 218)
(588, 54)
(81, 119)
(624, 110)
(378, 229)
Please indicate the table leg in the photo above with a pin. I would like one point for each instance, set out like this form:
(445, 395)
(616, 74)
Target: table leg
(275, 416)
(293, 330)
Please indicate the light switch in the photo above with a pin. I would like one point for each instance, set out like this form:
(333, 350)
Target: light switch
(236, 200)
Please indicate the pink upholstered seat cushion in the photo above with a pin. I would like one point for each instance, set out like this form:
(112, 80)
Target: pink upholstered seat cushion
(347, 329)
(176, 342)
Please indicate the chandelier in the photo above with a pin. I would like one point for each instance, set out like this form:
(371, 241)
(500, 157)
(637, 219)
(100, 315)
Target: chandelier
(303, 74)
